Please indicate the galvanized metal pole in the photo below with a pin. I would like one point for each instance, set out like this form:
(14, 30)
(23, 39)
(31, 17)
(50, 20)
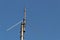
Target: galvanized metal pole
(23, 24)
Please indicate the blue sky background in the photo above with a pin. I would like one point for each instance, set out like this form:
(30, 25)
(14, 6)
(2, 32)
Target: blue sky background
(43, 19)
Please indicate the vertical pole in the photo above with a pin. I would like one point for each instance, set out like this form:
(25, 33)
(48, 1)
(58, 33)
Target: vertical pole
(22, 32)
(23, 24)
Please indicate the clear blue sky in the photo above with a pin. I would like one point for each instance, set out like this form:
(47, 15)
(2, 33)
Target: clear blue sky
(43, 19)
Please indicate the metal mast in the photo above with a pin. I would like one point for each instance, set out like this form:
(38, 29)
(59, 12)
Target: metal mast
(23, 24)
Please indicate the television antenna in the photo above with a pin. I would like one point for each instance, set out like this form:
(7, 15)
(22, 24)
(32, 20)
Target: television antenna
(23, 25)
